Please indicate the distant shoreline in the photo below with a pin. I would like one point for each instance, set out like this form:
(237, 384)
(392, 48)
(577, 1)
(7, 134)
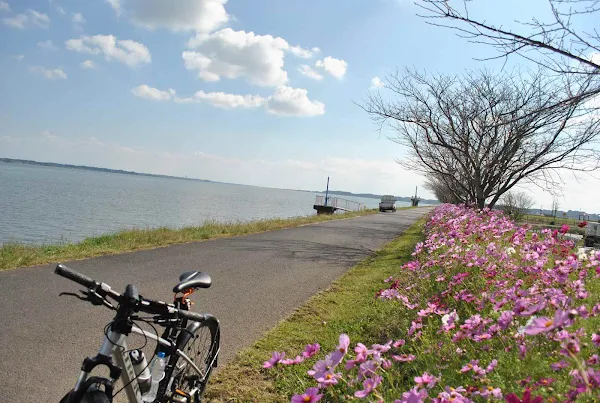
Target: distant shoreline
(121, 171)
(97, 169)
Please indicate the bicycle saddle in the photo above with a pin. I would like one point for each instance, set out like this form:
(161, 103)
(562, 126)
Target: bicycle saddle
(192, 279)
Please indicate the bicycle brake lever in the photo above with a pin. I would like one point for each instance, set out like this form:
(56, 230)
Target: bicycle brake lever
(72, 294)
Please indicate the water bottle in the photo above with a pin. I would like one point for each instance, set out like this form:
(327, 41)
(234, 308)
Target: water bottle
(142, 370)
(157, 369)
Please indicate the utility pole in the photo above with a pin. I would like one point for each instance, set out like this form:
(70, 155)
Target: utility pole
(327, 192)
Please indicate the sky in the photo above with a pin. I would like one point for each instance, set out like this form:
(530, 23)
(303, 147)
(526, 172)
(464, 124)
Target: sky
(254, 92)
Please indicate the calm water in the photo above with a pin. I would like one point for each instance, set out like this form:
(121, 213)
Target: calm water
(48, 205)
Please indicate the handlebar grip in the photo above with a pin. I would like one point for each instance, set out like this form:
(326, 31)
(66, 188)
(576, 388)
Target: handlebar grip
(72, 275)
(193, 316)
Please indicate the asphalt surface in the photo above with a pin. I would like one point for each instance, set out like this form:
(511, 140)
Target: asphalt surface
(257, 281)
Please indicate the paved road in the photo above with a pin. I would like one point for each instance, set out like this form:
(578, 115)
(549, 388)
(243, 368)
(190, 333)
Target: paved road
(257, 281)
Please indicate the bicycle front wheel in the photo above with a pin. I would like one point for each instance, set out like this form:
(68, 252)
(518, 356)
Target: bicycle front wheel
(200, 342)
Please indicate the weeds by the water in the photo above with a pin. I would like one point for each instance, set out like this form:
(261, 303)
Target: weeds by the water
(14, 255)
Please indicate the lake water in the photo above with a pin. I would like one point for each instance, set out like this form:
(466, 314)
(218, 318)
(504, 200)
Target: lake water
(51, 205)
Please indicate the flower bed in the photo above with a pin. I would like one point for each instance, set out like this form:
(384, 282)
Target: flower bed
(493, 311)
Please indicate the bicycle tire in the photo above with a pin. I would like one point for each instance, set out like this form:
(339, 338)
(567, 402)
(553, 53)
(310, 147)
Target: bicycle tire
(193, 343)
(96, 396)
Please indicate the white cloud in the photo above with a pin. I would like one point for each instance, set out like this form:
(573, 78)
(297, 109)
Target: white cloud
(18, 57)
(335, 67)
(285, 101)
(308, 71)
(46, 134)
(144, 91)
(61, 10)
(28, 19)
(595, 58)
(51, 74)
(78, 21)
(179, 15)
(128, 52)
(234, 54)
(116, 5)
(87, 64)
(47, 45)
(238, 54)
(224, 100)
(303, 53)
(288, 101)
(4, 6)
(376, 82)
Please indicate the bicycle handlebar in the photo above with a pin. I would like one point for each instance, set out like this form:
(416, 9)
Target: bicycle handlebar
(145, 305)
(72, 275)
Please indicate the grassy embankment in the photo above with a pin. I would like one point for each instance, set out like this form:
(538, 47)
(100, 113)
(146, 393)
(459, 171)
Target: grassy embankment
(14, 255)
(347, 306)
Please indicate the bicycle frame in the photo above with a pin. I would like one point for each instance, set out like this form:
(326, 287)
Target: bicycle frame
(115, 346)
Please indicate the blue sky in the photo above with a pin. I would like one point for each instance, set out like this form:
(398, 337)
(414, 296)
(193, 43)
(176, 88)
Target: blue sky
(214, 88)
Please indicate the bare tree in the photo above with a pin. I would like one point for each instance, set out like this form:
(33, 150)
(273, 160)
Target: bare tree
(516, 204)
(483, 133)
(556, 44)
(555, 207)
(445, 190)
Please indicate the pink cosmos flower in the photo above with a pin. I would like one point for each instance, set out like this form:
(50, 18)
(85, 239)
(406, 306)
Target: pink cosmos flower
(493, 364)
(413, 396)
(544, 324)
(482, 337)
(344, 343)
(512, 398)
(559, 365)
(564, 229)
(274, 360)
(404, 357)
(426, 380)
(413, 327)
(399, 343)
(338, 355)
(310, 350)
(322, 366)
(488, 392)
(328, 378)
(505, 319)
(367, 369)
(310, 396)
(596, 339)
(368, 385)
(469, 367)
(382, 348)
(296, 360)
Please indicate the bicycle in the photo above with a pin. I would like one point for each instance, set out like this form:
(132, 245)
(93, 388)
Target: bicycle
(186, 375)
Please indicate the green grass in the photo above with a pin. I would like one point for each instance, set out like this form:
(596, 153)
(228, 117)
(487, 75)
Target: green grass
(348, 306)
(532, 218)
(13, 255)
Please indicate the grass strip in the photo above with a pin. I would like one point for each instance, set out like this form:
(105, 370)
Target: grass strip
(13, 255)
(348, 306)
